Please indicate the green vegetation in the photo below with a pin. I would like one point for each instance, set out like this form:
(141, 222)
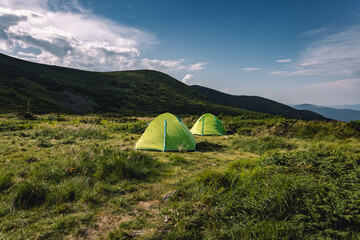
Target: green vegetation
(257, 104)
(43, 89)
(78, 177)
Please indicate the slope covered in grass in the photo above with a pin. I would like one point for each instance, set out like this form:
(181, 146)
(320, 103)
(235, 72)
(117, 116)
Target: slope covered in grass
(78, 177)
(142, 92)
(257, 104)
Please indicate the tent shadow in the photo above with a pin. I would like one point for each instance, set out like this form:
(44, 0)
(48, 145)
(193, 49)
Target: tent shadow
(205, 146)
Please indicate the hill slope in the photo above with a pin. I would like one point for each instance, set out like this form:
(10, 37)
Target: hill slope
(59, 89)
(257, 104)
(345, 115)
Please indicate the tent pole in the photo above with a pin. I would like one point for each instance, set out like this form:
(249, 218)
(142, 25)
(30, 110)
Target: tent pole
(164, 136)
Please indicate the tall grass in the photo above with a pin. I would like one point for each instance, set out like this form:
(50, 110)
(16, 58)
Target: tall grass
(294, 128)
(73, 179)
(106, 165)
(262, 144)
(294, 195)
(65, 131)
(64, 177)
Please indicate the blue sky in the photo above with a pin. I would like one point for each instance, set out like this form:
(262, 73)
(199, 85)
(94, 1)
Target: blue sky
(289, 51)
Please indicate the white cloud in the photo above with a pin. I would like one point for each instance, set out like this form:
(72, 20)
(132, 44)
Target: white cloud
(284, 60)
(250, 69)
(170, 66)
(336, 54)
(30, 55)
(197, 66)
(69, 35)
(187, 78)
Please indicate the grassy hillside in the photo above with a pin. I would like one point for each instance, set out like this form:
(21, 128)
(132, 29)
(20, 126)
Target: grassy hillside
(78, 177)
(58, 89)
(257, 104)
(345, 115)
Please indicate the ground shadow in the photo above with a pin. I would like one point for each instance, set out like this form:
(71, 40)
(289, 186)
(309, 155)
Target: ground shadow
(205, 146)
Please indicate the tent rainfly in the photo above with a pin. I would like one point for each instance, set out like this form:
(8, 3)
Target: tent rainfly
(166, 133)
(208, 124)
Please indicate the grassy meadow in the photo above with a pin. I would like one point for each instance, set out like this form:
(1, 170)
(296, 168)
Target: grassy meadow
(79, 177)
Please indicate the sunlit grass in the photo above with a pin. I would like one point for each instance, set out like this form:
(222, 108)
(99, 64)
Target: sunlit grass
(69, 176)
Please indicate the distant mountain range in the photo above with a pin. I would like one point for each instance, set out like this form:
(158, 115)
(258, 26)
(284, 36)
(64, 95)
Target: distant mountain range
(346, 106)
(345, 115)
(59, 89)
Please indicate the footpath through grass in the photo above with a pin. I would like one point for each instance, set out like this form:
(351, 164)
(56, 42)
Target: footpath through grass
(78, 177)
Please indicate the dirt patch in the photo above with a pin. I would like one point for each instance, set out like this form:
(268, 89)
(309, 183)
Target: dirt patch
(106, 222)
(151, 207)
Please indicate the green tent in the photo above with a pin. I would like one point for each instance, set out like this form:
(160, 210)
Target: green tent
(166, 133)
(208, 124)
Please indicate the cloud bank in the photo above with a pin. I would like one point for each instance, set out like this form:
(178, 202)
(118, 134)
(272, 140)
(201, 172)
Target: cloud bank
(337, 53)
(67, 34)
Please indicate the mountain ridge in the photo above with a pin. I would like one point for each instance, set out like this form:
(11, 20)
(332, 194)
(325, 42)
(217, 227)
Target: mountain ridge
(345, 115)
(60, 89)
(256, 103)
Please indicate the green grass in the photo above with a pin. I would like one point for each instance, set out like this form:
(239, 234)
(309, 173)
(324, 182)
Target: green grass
(78, 177)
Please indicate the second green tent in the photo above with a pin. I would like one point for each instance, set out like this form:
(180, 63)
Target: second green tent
(208, 124)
